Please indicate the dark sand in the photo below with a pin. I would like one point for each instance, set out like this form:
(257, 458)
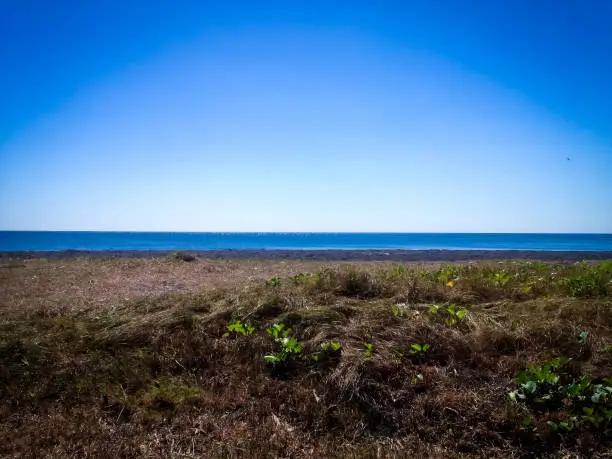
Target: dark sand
(327, 255)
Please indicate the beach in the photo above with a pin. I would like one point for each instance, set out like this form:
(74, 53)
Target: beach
(326, 255)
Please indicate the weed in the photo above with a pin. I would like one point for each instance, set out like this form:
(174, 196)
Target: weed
(549, 388)
(327, 349)
(369, 350)
(399, 310)
(239, 328)
(450, 273)
(300, 278)
(288, 344)
(274, 282)
(587, 285)
(397, 272)
(451, 314)
(331, 346)
(499, 279)
(419, 349)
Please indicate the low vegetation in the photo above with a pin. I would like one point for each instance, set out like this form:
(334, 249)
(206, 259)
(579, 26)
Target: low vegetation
(505, 359)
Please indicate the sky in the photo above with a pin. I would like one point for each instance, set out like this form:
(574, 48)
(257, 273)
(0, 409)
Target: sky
(407, 116)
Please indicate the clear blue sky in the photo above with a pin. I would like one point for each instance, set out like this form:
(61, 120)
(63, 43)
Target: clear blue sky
(445, 116)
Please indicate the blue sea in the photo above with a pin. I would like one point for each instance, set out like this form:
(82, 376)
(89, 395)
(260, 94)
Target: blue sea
(11, 241)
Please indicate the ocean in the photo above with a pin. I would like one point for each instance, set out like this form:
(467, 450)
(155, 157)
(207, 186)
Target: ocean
(12, 241)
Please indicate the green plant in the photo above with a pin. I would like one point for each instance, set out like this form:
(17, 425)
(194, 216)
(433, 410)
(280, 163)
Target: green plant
(419, 349)
(331, 346)
(538, 383)
(605, 267)
(451, 313)
(288, 344)
(239, 328)
(450, 273)
(587, 285)
(397, 272)
(369, 349)
(274, 282)
(301, 278)
(583, 338)
(327, 349)
(549, 387)
(499, 279)
(399, 310)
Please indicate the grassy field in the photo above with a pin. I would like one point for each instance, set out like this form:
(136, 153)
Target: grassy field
(169, 358)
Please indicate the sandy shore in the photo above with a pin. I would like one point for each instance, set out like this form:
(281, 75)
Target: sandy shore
(328, 255)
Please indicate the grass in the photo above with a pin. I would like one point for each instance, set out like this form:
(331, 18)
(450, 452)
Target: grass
(504, 359)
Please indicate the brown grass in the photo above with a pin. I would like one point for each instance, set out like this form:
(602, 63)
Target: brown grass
(126, 358)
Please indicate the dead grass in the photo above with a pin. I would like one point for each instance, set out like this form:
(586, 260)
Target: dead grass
(126, 358)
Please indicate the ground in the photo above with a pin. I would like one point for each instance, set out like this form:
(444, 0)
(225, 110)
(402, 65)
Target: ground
(163, 357)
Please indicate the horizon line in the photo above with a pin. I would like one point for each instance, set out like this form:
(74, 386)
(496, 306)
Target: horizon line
(298, 232)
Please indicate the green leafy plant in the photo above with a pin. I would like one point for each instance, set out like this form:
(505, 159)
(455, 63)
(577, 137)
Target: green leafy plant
(239, 328)
(450, 273)
(399, 310)
(419, 349)
(369, 350)
(274, 282)
(331, 346)
(549, 387)
(454, 315)
(588, 285)
(288, 344)
(499, 279)
(327, 349)
(302, 278)
(538, 383)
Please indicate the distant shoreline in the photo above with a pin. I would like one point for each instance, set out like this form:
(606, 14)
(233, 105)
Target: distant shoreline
(325, 255)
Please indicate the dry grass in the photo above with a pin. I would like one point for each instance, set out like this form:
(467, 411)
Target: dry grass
(126, 358)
